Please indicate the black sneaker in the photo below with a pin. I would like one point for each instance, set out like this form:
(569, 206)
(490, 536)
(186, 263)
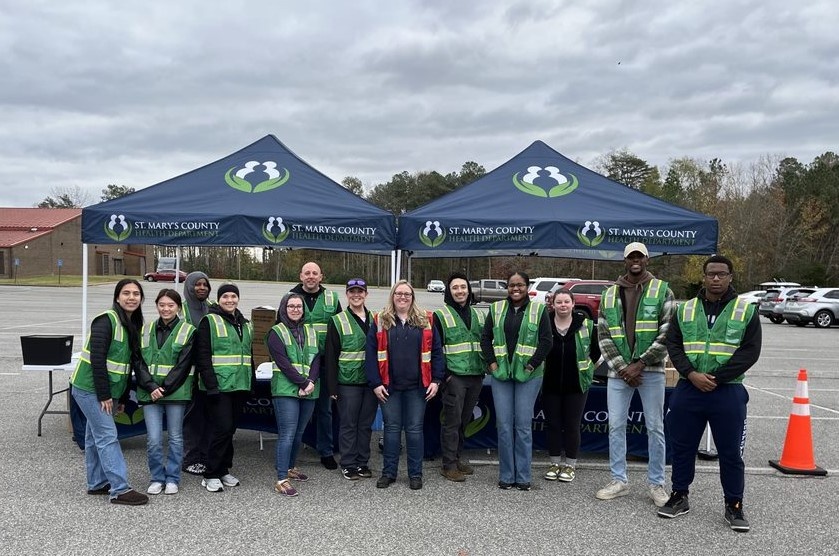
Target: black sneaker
(364, 472)
(734, 517)
(385, 481)
(505, 486)
(350, 473)
(523, 486)
(104, 489)
(329, 462)
(415, 483)
(675, 506)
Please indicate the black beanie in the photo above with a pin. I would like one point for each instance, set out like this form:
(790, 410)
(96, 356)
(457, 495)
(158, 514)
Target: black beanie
(225, 288)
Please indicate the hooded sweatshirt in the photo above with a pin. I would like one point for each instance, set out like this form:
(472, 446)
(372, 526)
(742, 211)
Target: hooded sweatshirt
(197, 309)
(631, 294)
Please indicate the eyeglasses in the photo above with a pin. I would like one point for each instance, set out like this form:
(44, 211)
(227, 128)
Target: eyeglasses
(403, 294)
(720, 275)
(294, 307)
(356, 282)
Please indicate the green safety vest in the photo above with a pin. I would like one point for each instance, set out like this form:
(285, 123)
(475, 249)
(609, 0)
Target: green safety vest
(708, 349)
(525, 348)
(582, 340)
(231, 355)
(301, 360)
(185, 316)
(326, 305)
(646, 318)
(461, 345)
(118, 360)
(353, 343)
(161, 359)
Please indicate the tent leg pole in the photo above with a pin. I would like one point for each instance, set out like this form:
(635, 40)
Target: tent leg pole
(84, 292)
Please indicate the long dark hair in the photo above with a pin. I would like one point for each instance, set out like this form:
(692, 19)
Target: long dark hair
(132, 324)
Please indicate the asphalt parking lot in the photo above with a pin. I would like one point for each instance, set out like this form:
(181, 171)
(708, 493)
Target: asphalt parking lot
(43, 508)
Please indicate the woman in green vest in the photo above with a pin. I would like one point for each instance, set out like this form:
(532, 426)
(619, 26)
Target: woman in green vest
(293, 346)
(165, 386)
(569, 369)
(100, 378)
(515, 340)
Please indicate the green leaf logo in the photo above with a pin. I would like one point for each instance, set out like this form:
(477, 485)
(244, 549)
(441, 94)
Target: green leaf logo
(239, 181)
(118, 228)
(432, 227)
(563, 186)
(585, 236)
(275, 231)
(480, 418)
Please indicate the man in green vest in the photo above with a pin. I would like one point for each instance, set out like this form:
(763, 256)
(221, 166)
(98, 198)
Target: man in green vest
(713, 340)
(460, 326)
(320, 305)
(634, 316)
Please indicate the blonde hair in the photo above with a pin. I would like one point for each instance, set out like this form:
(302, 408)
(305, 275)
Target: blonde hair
(416, 315)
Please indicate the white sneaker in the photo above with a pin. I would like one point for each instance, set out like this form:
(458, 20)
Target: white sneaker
(213, 485)
(230, 481)
(659, 495)
(613, 490)
(155, 488)
(171, 488)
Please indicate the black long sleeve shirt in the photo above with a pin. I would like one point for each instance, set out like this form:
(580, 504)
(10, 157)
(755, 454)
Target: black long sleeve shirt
(180, 369)
(512, 324)
(332, 351)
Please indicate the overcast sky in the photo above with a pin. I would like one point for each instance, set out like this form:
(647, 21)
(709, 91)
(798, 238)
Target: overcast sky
(135, 92)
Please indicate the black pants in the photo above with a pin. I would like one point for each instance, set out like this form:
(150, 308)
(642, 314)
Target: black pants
(197, 429)
(224, 410)
(356, 412)
(563, 413)
(460, 395)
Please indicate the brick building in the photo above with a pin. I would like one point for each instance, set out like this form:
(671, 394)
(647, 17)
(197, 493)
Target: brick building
(33, 240)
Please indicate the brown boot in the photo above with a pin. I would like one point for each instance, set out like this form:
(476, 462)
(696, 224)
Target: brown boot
(465, 468)
(453, 475)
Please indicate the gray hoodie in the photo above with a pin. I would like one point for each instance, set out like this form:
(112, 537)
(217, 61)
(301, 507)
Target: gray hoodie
(197, 309)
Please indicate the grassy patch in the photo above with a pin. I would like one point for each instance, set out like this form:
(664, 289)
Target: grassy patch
(66, 280)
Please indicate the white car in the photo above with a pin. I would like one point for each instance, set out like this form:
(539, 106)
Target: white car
(753, 296)
(539, 287)
(436, 286)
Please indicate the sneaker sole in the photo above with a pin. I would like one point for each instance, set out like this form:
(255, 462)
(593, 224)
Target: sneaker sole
(611, 496)
(551, 478)
(204, 484)
(671, 516)
(561, 480)
(738, 528)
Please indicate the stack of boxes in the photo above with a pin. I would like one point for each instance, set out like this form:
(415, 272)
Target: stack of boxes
(263, 319)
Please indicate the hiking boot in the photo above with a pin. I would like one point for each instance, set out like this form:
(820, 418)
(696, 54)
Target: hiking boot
(156, 487)
(735, 518)
(453, 475)
(612, 490)
(171, 488)
(213, 485)
(350, 473)
(675, 506)
(385, 481)
(364, 472)
(415, 483)
(465, 468)
(553, 472)
(567, 474)
(329, 462)
(131, 498)
(296, 475)
(104, 489)
(659, 495)
(229, 480)
(285, 488)
(195, 469)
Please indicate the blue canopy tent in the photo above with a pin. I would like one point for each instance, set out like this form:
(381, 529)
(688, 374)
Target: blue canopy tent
(541, 203)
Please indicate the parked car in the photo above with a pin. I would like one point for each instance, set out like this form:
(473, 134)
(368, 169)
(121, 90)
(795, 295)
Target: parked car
(487, 291)
(766, 307)
(164, 275)
(820, 307)
(586, 294)
(436, 286)
(539, 287)
(753, 296)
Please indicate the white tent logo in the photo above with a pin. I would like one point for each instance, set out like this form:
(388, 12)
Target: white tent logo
(591, 234)
(242, 178)
(275, 230)
(117, 227)
(432, 234)
(527, 183)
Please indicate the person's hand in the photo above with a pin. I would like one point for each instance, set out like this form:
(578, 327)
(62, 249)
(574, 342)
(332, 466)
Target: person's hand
(107, 406)
(381, 393)
(120, 408)
(493, 367)
(309, 388)
(702, 382)
(631, 374)
(431, 391)
(157, 393)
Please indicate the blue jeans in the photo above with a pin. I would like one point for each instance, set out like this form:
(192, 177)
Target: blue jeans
(514, 402)
(292, 415)
(618, 396)
(403, 410)
(153, 414)
(103, 457)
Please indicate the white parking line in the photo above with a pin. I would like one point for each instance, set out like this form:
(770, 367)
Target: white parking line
(788, 398)
(51, 323)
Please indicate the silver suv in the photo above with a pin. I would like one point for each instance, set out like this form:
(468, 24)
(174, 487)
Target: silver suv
(770, 307)
(820, 307)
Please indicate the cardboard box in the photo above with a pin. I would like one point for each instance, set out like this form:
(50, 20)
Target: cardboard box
(46, 349)
(671, 377)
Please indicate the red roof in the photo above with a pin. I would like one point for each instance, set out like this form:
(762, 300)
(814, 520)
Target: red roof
(19, 225)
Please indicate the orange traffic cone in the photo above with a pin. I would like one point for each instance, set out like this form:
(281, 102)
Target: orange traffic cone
(797, 457)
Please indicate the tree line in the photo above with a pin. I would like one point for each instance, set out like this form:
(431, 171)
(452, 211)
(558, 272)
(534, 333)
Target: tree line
(778, 219)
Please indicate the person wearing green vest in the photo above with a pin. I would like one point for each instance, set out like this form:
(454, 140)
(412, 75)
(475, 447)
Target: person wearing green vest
(224, 363)
(100, 377)
(713, 340)
(569, 369)
(634, 316)
(164, 386)
(320, 305)
(196, 304)
(515, 341)
(295, 386)
(346, 337)
(459, 326)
